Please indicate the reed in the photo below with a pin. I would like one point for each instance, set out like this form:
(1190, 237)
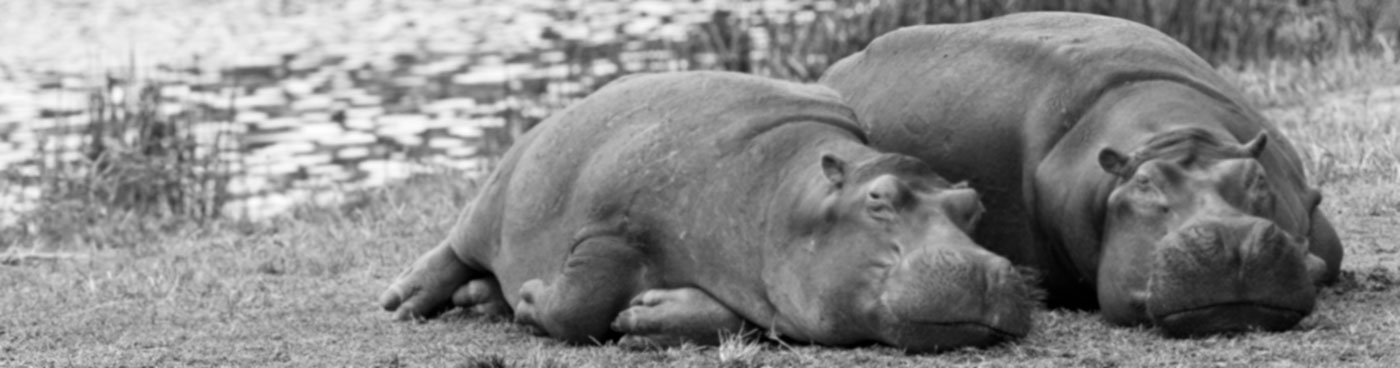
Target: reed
(137, 169)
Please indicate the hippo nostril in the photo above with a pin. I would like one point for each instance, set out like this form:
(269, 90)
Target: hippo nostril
(1266, 243)
(1237, 239)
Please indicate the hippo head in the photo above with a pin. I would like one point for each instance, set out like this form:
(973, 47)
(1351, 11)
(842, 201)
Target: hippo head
(885, 258)
(1189, 244)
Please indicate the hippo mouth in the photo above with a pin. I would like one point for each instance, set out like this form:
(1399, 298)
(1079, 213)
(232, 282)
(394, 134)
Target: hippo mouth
(969, 325)
(1242, 276)
(934, 337)
(1227, 319)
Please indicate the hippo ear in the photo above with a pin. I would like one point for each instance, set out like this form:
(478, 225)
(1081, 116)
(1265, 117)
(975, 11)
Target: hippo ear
(960, 185)
(1114, 163)
(835, 170)
(1312, 198)
(1256, 146)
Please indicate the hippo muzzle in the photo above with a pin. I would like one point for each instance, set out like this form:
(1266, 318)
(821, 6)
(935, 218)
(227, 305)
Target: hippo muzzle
(1234, 274)
(941, 298)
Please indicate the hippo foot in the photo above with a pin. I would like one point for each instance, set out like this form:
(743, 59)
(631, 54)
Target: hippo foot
(527, 312)
(661, 318)
(429, 287)
(482, 297)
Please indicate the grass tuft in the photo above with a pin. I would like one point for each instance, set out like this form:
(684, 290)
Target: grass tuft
(738, 350)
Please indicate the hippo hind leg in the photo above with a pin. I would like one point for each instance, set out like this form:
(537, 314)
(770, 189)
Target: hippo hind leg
(660, 318)
(439, 281)
(598, 279)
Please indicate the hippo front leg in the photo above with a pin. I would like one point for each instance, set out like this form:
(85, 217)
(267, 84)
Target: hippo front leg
(598, 279)
(1324, 243)
(662, 318)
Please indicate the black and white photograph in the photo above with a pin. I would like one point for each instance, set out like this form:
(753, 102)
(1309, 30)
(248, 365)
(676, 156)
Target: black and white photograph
(699, 183)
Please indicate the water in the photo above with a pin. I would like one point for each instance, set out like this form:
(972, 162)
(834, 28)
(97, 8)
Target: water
(304, 126)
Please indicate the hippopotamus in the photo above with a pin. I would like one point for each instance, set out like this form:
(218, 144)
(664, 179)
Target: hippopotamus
(674, 208)
(1112, 159)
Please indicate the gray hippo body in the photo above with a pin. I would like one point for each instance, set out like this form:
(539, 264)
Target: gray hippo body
(1112, 159)
(671, 208)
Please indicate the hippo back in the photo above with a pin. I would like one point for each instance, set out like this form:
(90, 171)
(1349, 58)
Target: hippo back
(1003, 87)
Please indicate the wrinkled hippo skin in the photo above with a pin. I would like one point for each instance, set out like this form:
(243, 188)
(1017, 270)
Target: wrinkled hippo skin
(1112, 159)
(673, 208)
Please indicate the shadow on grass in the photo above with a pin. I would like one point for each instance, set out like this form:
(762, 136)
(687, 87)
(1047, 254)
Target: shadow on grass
(1374, 279)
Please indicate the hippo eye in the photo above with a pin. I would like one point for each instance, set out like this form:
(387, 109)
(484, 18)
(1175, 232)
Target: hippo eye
(879, 206)
(1260, 183)
(1261, 200)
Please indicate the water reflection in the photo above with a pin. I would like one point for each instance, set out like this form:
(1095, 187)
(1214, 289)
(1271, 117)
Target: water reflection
(309, 119)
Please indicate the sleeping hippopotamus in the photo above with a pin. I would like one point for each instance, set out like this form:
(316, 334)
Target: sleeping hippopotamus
(1112, 159)
(672, 208)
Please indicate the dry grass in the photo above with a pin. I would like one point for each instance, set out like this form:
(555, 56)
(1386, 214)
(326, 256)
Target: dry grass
(299, 291)
(1342, 112)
